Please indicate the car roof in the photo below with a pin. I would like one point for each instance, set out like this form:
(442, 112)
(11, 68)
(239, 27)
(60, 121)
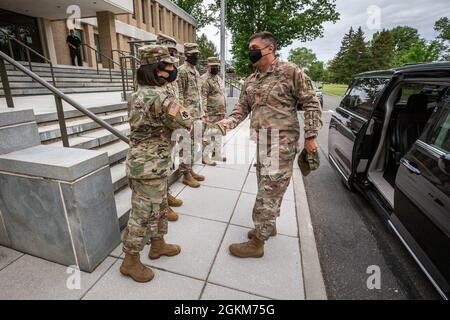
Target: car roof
(415, 67)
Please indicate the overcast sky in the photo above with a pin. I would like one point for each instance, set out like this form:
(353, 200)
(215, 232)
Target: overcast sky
(369, 14)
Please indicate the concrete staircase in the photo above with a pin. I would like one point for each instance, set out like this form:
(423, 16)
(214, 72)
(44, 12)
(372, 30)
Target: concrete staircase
(84, 133)
(69, 79)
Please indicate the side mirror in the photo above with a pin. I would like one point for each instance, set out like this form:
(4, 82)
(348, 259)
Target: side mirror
(444, 163)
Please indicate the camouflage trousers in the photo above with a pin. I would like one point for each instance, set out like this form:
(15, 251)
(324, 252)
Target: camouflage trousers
(272, 185)
(148, 216)
(186, 164)
(211, 143)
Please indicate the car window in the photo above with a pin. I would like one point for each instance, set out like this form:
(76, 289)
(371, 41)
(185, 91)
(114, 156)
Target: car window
(440, 136)
(434, 92)
(362, 94)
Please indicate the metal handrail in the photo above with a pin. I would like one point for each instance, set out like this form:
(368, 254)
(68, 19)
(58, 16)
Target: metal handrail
(124, 66)
(10, 37)
(59, 96)
(104, 56)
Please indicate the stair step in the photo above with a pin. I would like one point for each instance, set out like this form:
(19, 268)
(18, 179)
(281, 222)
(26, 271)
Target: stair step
(123, 205)
(50, 131)
(18, 73)
(94, 138)
(40, 91)
(61, 85)
(117, 151)
(118, 176)
(70, 69)
(22, 79)
(42, 118)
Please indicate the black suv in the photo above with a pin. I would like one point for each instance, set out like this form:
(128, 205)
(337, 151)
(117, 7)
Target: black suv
(390, 139)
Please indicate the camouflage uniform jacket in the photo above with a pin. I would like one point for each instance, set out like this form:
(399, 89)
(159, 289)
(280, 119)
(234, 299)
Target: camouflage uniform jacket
(189, 84)
(272, 97)
(153, 115)
(173, 89)
(213, 95)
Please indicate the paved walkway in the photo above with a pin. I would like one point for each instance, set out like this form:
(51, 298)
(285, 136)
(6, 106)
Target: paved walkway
(212, 216)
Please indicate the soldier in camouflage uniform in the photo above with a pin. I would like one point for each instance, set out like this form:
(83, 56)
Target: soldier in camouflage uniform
(171, 44)
(189, 84)
(214, 101)
(271, 94)
(153, 115)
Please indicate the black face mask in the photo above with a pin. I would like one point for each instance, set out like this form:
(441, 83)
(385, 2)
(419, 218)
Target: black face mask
(255, 55)
(172, 73)
(193, 59)
(215, 71)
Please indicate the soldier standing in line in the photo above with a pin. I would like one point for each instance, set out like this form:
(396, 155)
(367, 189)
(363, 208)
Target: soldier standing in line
(271, 94)
(189, 84)
(154, 113)
(214, 101)
(171, 44)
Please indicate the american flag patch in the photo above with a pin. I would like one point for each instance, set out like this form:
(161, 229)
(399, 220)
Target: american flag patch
(173, 109)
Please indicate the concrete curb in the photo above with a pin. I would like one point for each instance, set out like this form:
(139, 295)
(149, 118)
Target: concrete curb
(312, 273)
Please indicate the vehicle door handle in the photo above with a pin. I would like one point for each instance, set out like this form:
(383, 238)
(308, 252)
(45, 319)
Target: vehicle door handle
(411, 166)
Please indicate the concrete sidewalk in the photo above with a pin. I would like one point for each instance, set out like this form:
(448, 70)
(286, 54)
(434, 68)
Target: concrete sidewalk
(211, 218)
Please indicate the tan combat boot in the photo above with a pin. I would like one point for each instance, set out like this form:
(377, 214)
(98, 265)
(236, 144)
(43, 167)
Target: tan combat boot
(160, 248)
(173, 202)
(251, 249)
(171, 215)
(132, 267)
(197, 176)
(252, 233)
(189, 180)
(209, 163)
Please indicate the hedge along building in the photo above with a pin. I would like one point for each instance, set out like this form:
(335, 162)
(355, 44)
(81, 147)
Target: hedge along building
(106, 25)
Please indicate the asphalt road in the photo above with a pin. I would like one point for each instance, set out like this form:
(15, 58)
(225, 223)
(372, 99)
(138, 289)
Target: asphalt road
(351, 237)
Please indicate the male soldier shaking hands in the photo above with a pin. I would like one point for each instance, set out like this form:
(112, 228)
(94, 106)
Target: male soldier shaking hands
(271, 94)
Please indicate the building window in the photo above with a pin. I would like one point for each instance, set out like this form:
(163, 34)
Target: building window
(174, 24)
(160, 19)
(152, 13)
(144, 14)
(79, 33)
(134, 10)
(97, 46)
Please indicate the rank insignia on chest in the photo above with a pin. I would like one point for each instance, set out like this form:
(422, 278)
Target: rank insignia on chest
(173, 109)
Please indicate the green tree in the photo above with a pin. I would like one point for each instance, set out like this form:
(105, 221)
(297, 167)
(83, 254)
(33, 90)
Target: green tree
(443, 27)
(199, 11)
(404, 37)
(207, 48)
(336, 71)
(382, 50)
(303, 57)
(317, 71)
(422, 52)
(352, 58)
(286, 19)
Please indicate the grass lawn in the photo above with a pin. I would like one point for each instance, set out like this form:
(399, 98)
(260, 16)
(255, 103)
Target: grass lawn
(334, 88)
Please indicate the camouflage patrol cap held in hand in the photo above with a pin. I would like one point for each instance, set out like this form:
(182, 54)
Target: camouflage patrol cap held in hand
(190, 48)
(150, 54)
(167, 41)
(213, 61)
(308, 161)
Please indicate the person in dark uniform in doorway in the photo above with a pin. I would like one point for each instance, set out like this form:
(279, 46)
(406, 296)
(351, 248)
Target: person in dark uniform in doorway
(74, 44)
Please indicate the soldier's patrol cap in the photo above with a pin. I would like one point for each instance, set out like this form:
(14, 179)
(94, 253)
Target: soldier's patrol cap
(167, 41)
(213, 61)
(308, 161)
(154, 53)
(190, 48)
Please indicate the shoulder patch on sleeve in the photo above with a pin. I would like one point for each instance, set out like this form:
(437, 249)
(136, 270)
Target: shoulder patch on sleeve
(185, 115)
(173, 108)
